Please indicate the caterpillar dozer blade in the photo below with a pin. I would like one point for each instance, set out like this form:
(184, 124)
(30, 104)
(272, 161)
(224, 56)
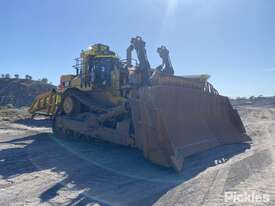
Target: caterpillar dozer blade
(173, 122)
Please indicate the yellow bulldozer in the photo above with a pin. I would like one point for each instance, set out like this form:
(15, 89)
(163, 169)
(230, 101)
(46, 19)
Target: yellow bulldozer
(129, 103)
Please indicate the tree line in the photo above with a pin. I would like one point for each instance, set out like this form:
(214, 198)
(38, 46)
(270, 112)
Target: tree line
(26, 77)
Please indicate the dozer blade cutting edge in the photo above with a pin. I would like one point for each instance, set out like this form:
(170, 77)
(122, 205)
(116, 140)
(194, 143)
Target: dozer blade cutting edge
(173, 122)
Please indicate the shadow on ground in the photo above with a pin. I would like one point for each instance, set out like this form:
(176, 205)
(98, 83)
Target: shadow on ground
(109, 174)
(45, 122)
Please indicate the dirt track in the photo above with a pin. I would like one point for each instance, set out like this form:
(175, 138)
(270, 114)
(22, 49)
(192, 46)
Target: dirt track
(38, 169)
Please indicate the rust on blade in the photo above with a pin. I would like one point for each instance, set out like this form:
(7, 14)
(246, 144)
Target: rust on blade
(173, 122)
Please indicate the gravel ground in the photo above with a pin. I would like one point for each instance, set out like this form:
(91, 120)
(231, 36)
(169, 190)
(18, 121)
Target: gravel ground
(38, 169)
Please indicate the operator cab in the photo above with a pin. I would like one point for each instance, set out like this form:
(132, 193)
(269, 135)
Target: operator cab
(95, 66)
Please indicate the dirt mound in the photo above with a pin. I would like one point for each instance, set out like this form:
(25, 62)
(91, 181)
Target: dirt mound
(21, 92)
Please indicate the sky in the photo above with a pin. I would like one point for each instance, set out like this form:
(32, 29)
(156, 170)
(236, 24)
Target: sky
(231, 40)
